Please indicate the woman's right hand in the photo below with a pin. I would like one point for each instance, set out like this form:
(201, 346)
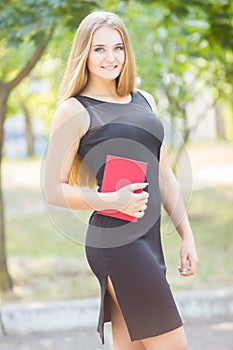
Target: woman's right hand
(131, 203)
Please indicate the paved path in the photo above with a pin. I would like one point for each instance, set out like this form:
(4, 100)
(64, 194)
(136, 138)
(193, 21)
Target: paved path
(214, 335)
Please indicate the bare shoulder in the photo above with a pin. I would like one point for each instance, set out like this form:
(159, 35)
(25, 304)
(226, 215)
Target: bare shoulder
(149, 98)
(71, 111)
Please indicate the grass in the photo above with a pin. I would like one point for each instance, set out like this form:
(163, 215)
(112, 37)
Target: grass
(210, 215)
(43, 262)
(46, 254)
(36, 236)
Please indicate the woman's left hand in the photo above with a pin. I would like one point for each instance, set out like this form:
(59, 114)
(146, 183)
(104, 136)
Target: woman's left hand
(188, 258)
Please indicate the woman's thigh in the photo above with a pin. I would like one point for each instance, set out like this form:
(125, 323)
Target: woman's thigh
(120, 334)
(173, 340)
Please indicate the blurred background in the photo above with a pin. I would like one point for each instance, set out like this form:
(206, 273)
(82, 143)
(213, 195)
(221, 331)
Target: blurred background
(184, 59)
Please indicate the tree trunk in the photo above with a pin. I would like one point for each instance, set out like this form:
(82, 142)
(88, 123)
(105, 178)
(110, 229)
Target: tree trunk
(220, 126)
(5, 280)
(30, 138)
(5, 90)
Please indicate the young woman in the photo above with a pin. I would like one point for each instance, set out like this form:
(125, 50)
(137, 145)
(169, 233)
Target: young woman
(100, 113)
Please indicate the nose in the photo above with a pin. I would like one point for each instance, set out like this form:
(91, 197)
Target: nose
(110, 56)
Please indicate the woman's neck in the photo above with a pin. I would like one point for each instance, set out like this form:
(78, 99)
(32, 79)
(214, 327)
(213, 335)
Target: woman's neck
(101, 88)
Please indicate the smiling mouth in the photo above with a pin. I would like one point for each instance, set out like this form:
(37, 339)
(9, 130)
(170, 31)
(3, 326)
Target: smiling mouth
(110, 68)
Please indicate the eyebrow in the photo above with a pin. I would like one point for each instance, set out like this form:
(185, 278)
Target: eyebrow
(102, 45)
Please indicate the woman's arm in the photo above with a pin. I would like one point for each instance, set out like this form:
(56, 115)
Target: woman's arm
(71, 121)
(174, 205)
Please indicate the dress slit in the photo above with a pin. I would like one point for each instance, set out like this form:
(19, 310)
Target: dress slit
(104, 314)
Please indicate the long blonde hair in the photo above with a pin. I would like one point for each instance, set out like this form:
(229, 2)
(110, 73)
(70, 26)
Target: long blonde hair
(76, 73)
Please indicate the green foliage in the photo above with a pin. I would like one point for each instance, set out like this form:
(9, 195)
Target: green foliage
(182, 49)
(25, 26)
(210, 19)
(28, 21)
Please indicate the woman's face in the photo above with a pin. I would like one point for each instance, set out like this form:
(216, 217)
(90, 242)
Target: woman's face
(107, 54)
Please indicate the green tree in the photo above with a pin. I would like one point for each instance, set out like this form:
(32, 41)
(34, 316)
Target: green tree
(181, 50)
(26, 28)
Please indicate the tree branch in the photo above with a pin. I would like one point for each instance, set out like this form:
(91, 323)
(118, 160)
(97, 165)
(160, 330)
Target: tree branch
(31, 62)
(202, 115)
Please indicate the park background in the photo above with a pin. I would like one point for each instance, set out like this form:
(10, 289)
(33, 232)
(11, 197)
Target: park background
(184, 59)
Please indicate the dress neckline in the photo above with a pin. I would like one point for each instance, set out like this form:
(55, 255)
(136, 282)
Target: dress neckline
(103, 101)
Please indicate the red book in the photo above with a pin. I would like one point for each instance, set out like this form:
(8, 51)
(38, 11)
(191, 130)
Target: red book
(118, 173)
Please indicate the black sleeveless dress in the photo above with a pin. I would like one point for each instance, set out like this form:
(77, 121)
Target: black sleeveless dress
(130, 253)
